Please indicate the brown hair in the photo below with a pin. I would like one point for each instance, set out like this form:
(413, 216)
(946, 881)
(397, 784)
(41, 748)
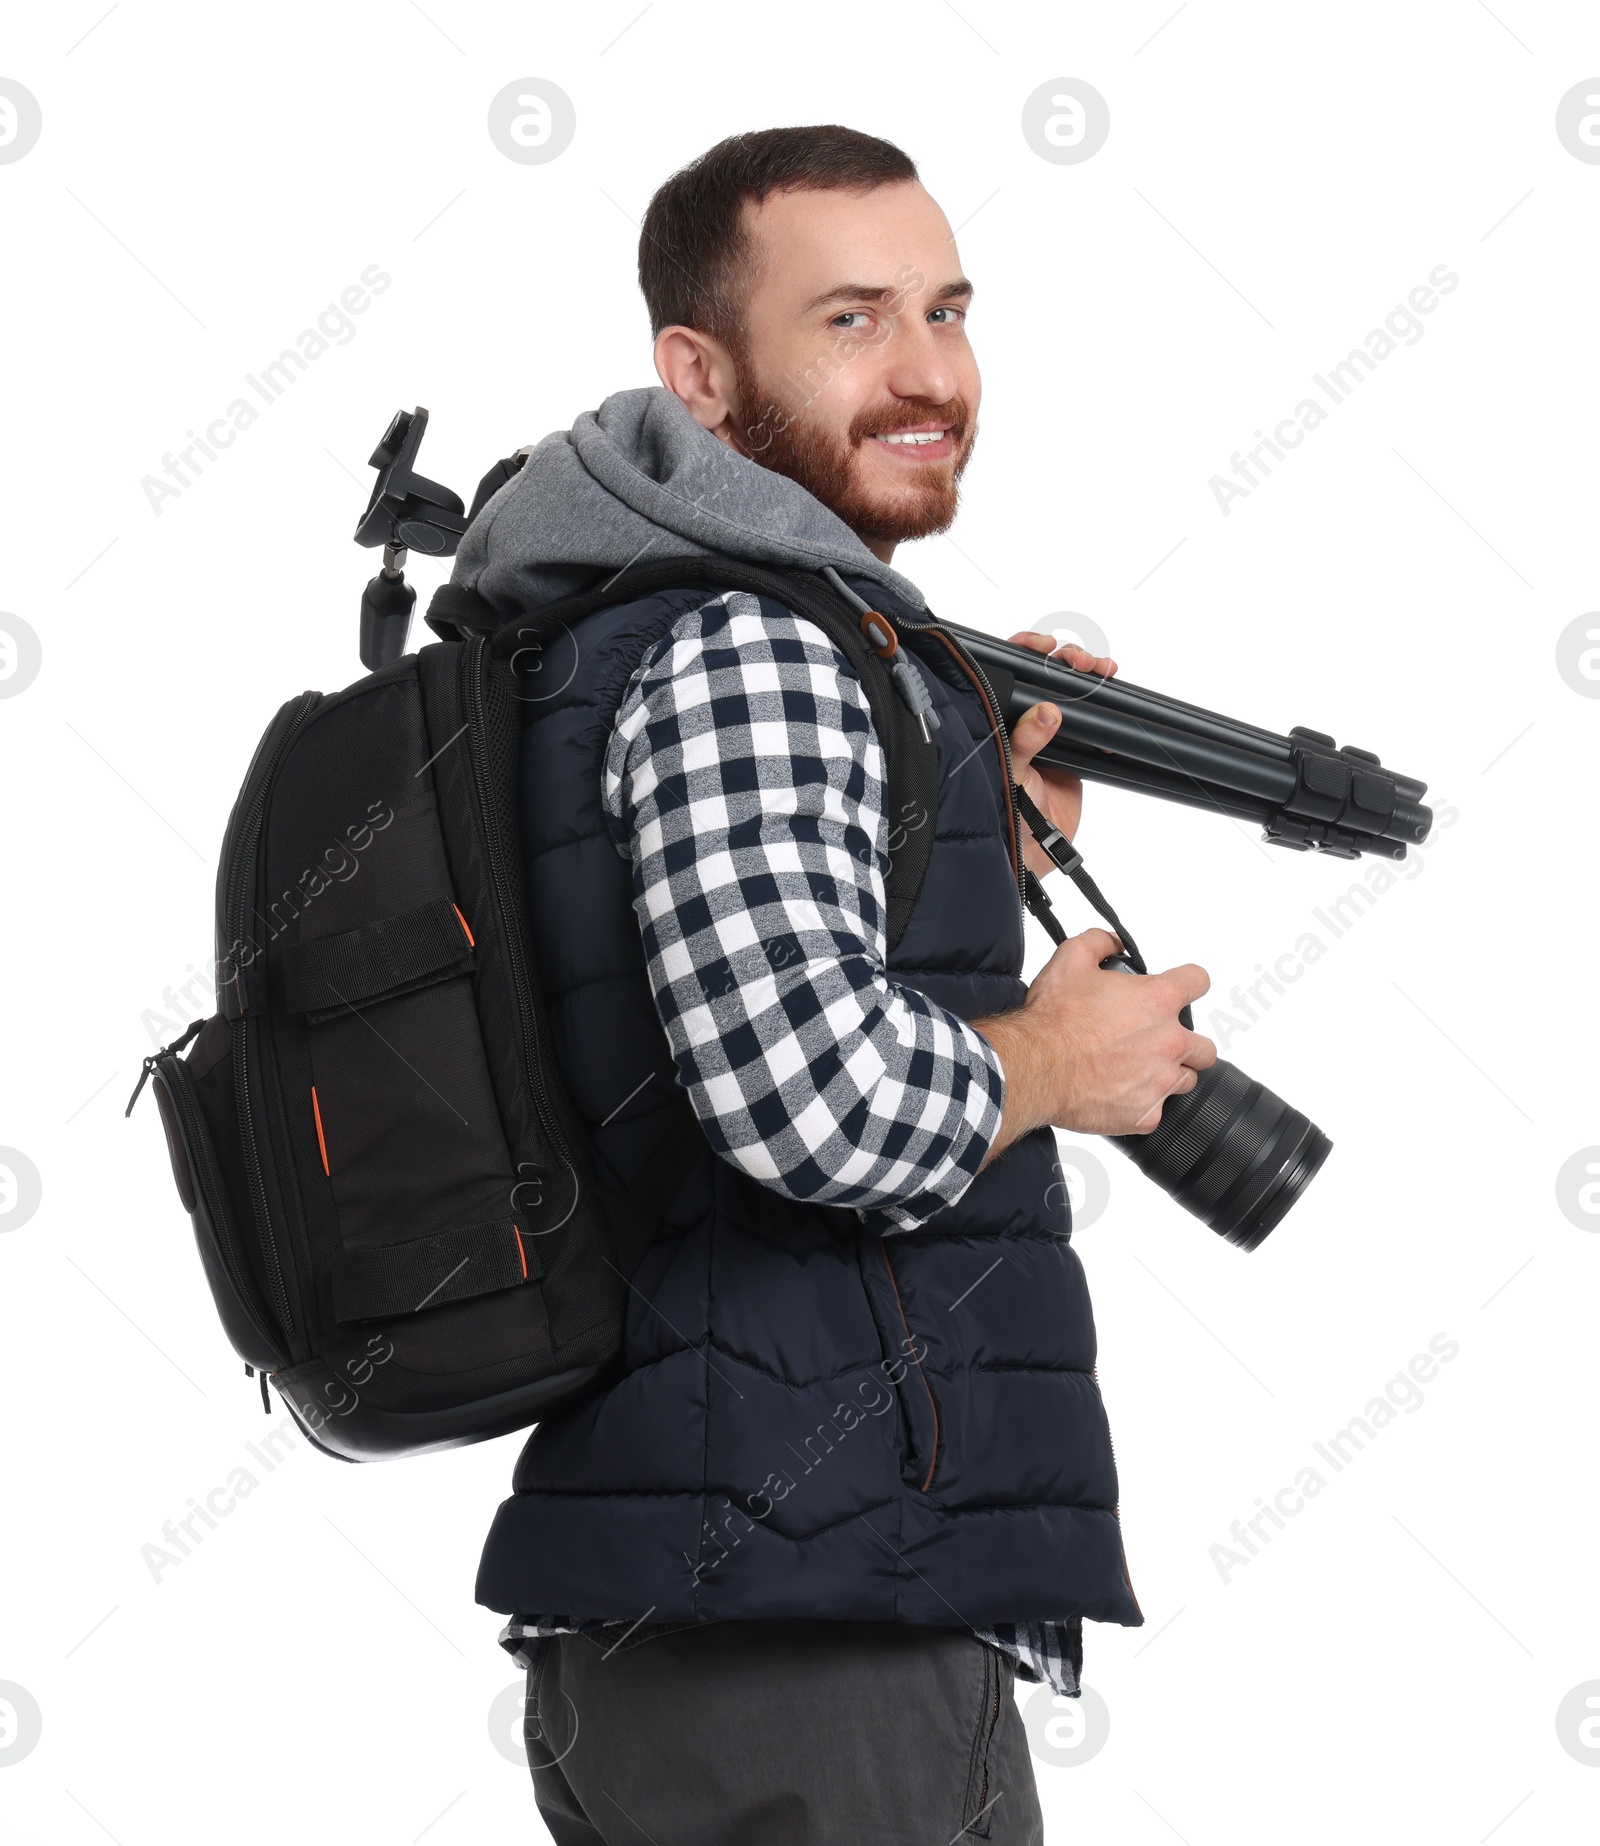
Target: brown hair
(693, 250)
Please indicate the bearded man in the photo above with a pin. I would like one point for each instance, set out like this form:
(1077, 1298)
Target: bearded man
(852, 1477)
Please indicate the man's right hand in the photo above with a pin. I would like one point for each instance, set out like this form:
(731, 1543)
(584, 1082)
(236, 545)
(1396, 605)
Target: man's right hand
(1096, 1050)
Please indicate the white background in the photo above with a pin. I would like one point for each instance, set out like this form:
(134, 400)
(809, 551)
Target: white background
(1277, 178)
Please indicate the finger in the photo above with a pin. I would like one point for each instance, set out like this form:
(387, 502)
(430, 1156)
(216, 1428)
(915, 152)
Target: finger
(1040, 644)
(1190, 981)
(1182, 1085)
(1097, 942)
(1032, 731)
(1084, 661)
(1201, 1053)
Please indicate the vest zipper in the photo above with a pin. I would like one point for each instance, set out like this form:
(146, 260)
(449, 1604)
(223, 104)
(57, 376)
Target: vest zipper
(235, 912)
(1116, 1511)
(474, 656)
(974, 671)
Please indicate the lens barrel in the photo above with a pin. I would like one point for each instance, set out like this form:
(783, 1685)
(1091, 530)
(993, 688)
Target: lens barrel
(1231, 1152)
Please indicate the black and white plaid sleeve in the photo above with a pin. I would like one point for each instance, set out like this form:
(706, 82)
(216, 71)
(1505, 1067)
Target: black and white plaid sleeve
(746, 784)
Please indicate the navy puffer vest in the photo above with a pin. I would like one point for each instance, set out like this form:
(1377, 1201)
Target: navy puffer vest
(810, 1420)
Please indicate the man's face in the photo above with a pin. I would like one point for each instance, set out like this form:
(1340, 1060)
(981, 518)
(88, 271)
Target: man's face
(854, 376)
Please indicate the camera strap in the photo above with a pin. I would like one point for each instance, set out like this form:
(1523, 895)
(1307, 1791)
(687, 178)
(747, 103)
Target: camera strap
(1066, 858)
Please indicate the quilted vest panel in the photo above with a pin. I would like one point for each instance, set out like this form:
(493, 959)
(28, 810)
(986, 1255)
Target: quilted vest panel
(809, 1420)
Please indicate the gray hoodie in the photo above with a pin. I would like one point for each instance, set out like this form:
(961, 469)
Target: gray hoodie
(639, 479)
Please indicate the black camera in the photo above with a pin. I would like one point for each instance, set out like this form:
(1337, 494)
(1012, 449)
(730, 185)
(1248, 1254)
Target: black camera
(1230, 1151)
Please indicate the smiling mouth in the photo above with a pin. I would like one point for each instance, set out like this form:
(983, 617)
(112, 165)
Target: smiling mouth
(918, 442)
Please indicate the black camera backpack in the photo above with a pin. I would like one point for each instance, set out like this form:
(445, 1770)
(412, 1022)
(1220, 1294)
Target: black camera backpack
(401, 1216)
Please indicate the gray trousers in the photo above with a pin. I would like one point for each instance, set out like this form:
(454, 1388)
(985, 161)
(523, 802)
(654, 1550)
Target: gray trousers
(779, 1734)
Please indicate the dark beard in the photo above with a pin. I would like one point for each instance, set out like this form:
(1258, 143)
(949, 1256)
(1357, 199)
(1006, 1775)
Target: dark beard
(827, 467)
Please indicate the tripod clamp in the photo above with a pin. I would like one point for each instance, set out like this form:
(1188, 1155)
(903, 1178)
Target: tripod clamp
(1344, 802)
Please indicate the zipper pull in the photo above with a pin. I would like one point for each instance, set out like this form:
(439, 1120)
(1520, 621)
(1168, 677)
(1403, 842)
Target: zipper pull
(913, 689)
(154, 1059)
(144, 1077)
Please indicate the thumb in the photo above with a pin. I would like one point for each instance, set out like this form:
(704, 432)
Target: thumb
(1034, 729)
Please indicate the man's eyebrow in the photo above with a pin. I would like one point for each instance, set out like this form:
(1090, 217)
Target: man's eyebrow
(959, 290)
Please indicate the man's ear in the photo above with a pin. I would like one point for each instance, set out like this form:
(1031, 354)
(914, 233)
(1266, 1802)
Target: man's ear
(699, 371)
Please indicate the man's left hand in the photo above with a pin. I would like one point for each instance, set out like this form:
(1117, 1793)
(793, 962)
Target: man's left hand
(1056, 794)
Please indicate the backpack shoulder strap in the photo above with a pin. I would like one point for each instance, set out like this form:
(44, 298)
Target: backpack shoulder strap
(911, 759)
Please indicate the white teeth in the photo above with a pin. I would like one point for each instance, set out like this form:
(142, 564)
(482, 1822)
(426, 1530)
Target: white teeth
(917, 436)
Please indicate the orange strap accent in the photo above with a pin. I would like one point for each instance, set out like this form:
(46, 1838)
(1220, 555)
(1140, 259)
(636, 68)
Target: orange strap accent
(885, 642)
(521, 1252)
(321, 1143)
(464, 930)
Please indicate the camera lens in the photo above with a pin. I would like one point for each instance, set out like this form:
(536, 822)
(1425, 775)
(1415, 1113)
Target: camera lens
(1231, 1152)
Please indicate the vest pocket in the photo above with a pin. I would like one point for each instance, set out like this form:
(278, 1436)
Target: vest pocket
(903, 1354)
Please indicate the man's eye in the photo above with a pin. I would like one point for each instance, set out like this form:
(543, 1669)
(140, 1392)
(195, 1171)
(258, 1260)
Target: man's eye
(947, 316)
(851, 321)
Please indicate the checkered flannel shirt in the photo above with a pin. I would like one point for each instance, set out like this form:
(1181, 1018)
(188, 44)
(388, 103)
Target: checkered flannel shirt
(745, 783)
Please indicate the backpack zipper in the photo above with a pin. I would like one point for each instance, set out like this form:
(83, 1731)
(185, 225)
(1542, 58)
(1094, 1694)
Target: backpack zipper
(247, 871)
(148, 1067)
(207, 1179)
(473, 668)
(197, 1151)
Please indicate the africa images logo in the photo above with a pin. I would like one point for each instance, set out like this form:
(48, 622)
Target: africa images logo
(20, 120)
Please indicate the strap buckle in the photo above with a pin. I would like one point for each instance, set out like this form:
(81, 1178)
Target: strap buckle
(1064, 856)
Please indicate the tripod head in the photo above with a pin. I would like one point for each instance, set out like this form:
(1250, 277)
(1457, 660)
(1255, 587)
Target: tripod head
(407, 512)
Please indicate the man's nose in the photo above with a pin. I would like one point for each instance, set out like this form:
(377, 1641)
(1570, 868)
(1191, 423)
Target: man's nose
(918, 365)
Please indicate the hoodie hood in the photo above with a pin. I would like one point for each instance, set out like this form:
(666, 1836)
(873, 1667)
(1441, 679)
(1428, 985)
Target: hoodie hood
(639, 479)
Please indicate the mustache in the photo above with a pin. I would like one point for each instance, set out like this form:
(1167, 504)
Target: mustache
(907, 413)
